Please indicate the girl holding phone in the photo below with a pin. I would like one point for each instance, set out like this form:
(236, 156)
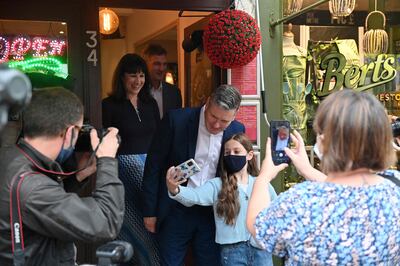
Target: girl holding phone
(229, 195)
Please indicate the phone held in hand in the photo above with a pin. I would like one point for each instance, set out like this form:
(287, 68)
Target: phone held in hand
(280, 138)
(188, 168)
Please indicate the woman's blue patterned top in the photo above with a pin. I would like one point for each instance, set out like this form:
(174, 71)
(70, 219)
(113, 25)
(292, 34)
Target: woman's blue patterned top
(329, 224)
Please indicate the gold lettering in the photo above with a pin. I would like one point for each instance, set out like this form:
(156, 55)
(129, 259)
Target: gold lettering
(382, 71)
(375, 76)
(389, 71)
(351, 77)
(364, 72)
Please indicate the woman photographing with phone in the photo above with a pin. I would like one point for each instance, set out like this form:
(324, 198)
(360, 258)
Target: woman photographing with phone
(345, 215)
(229, 196)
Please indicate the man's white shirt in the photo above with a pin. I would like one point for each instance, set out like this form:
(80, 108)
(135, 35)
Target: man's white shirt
(208, 148)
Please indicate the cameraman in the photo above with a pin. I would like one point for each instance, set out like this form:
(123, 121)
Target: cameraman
(52, 218)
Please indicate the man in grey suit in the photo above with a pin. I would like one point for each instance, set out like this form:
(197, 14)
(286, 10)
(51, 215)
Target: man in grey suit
(168, 96)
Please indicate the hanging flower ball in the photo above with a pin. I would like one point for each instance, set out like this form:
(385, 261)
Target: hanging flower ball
(232, 39)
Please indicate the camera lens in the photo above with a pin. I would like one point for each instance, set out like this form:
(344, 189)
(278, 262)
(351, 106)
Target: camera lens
(83, 144)
(190, 163)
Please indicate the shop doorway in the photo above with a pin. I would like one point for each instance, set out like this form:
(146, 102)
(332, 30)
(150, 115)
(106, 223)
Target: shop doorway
(138, 28)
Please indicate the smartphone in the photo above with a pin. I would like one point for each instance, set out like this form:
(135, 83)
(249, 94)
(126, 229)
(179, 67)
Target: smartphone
(280, 138)
(188, 168)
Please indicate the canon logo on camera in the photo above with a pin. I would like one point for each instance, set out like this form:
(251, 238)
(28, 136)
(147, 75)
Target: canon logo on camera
(17, 237)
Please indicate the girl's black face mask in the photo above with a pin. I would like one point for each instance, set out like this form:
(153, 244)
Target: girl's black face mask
(234, 163)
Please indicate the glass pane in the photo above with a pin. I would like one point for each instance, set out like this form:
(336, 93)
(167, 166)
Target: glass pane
(325, 33)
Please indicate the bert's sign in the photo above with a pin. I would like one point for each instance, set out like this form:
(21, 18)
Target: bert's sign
(358, 78)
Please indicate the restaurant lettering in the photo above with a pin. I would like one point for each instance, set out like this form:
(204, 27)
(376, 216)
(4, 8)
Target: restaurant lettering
(358, 78)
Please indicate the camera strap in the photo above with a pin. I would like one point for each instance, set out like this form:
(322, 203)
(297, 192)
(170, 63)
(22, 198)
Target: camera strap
(65, 174)
(17, 235)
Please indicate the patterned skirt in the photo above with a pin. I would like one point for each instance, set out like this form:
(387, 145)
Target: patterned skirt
(145, 251)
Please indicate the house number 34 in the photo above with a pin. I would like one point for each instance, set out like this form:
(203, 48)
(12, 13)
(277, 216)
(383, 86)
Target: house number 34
(92, 44)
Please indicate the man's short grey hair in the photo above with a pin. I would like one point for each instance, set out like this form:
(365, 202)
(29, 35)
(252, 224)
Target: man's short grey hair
(283, 128)
(226, 97)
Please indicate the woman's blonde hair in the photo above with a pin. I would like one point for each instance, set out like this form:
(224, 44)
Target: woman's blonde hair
(356, 132)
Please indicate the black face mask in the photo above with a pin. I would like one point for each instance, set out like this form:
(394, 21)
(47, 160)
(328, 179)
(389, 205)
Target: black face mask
(234, 163)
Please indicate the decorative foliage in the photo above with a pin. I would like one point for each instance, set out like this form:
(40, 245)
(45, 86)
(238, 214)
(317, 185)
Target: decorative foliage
(232, 39)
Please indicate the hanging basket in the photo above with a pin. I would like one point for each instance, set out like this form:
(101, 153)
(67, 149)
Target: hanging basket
(376, 41)
(232, 39)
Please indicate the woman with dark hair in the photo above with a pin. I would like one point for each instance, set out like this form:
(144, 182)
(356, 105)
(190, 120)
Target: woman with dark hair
(346, 214)
(229, 196)
(131, 108)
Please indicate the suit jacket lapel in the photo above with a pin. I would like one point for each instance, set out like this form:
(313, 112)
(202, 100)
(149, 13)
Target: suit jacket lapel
(193, 130)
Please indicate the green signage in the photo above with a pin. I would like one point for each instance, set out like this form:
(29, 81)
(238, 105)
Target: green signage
(379, 72)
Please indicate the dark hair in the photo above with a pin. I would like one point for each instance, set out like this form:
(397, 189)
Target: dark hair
(154, 49)
(50, 112)
(131, 64)
(356, 132)
(228, 205)
(226, 97)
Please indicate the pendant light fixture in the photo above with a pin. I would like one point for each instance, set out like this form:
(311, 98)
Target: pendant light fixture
(376, 40)
(291, 6)
(108, 21)
(341, 8)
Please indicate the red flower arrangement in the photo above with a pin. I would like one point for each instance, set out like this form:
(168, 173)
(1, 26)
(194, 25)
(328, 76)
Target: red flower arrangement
(232, 39)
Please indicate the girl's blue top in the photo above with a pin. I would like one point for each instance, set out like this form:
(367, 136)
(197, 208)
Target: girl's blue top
(207, 195)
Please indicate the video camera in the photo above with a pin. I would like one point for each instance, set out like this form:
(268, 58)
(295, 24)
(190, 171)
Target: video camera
(15, 92)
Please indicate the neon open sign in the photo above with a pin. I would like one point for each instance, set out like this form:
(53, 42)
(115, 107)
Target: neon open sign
(20, 47)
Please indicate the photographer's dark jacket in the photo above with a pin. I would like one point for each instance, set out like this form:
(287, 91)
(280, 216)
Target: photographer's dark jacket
(53, 217)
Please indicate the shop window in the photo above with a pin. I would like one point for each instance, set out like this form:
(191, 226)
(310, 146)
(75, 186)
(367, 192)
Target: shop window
(326, 33)
(38, 48)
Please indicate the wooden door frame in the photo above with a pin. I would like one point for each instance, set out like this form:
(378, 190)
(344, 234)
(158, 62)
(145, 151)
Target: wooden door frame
(187, 5)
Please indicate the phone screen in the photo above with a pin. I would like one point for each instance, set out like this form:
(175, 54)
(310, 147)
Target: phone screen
(280, 138)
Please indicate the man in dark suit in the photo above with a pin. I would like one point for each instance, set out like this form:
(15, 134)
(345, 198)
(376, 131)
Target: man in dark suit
(168, 96)
(197, 133)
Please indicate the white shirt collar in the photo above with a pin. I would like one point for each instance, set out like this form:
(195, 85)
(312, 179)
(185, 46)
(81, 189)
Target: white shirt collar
(157, 89)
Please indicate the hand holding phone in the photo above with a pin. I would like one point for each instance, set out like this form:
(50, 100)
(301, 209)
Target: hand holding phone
(280, 139)
(188, 168)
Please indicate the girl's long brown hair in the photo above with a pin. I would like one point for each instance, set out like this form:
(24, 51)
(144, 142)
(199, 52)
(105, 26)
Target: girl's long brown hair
(228, 205)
